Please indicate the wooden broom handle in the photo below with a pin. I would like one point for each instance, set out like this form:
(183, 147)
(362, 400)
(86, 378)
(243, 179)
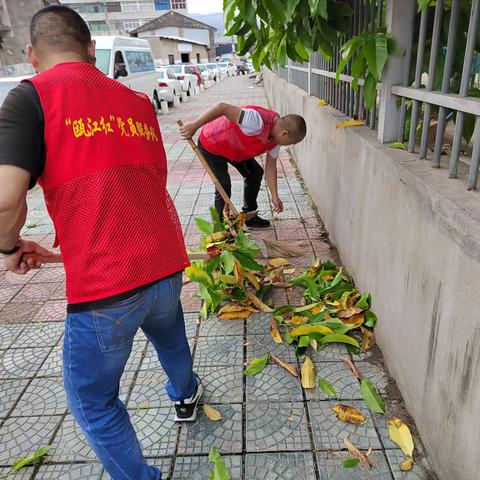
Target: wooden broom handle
(214, 178)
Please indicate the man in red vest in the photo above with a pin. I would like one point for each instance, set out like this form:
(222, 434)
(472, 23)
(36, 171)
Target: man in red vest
(95, 148)
(235, 135)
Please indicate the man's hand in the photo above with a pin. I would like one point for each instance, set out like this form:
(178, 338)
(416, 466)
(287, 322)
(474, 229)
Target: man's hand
(188, 130)
(14, 262)
(277, 205)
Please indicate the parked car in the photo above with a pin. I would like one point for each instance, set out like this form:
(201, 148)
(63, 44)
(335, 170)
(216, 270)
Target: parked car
(215, 71)
(169, 86)
(183, 73)
(224, 68)
(196, 71)
(242, 68)
(129, 60)
(9, 83)
(206, 72)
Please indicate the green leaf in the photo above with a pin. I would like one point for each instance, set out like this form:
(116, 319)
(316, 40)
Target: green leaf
(371, 397)
(370, 91)
(327, 388)
(220, 471)
(276, 9)
(369, 52)
(339, 338)
(23, 462)
(350, 462)
(424, 4)
(196, 274)
(228, 261)
(398, 145)
(381, 53)
(370, 319)
(204, 226)
(338, 278)
(40, 326)
(257, 365)
(247, 262)
(348, 49)
(300, 49)
(290, 8)
(358, 68)
(321, 9)
(304, 341)
(364, 302)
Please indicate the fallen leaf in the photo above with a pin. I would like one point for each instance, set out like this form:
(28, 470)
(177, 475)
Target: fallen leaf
(314, 344)
(317, 309)
(143, 406)
(257, 365)
(228, 279)
(339, 338)
(351, 123)
(277, 338)
(213, 251)
(308, 373)
(23, 462)
(399, 433)
(289, 271)
(308, 329)
(234, 311)
(371, 397)
(368, 339)
(40, 326)
(407, 464)
(345, 413)
(349, 363)
(238, 271)
(321, 102)
(350, 462)
(327, 388)
(327, 277)
(297, 320)
(398, 145)
(216, 237)
(276, 263)
(292, 369)
(256, 302)
(357, 319)
(273, 276)
(211, 413)
(196, 274)
(348, 312)
(356, 453)
(253, 279)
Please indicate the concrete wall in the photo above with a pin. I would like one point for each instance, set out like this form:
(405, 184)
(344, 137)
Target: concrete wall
(163, 47)
(411, 236)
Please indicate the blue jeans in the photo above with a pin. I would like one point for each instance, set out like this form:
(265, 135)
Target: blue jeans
(96, 347)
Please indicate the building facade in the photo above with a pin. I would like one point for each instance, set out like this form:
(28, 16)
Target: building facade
(171, 50)
(113, 17)
(15, 19)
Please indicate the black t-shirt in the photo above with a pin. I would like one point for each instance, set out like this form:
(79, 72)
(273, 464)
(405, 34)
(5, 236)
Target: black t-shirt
(22, 143)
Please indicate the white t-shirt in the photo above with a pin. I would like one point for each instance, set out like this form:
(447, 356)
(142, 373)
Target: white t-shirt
(252, 124)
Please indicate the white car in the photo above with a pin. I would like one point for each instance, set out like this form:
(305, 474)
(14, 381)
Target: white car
(224, 69)
(206, 72)
(189, 80)
(215, 71)
(9, 83)
(169, 87)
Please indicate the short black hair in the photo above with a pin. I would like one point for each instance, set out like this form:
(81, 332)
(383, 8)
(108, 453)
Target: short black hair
(61, 29)
(296, 125)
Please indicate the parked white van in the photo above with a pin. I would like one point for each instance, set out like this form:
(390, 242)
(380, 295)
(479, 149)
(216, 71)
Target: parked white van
(129, 60)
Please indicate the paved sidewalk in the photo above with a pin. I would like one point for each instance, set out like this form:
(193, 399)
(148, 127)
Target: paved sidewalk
(271, 429)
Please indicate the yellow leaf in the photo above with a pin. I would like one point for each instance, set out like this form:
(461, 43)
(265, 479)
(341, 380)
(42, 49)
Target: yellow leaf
(196, 273)
(368, 338)
(238, 271)
(216, 237)
(345, 413)
(308, 329)
(349, 363)
(407, 464)
(297, 320)
(234, 311)
(356, 453)
(328, 277)
(335, 304)
(257, 303)
(273, 276)
(314, 344)
(321, 102)
(292, 369)
(277, 262)
(349, 312)
(277, 338)
(308, 374)
(354, 320)
(253, 279)
(230, 279)
(351, 123)
(400, 434)
(211, 413)
(317, 309)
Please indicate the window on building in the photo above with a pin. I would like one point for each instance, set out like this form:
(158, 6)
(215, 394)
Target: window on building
(131, 24)
(146, 6)
(129, 7)
(198, 58)
(162, 4)
(139, 6)
(98, 26)
(114, 7)
(171, 59)
(185, 57)
(179, 4)
(94, 7)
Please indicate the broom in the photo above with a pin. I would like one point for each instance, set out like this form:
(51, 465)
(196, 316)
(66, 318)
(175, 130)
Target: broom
(279, 248)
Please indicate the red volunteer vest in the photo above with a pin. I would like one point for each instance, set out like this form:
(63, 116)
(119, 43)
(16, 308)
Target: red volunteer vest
(225, 138)
(105, 184)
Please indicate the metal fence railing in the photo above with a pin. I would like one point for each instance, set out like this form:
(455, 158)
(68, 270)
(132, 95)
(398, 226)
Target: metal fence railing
(412, 104)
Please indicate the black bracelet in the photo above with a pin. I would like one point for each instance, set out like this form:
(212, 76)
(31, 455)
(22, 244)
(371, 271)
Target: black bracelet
(13, 250)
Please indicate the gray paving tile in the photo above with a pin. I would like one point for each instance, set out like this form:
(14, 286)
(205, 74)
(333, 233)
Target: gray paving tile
(22, 436)
(198, 468)
(53, 364)
(135, 359)
(221, 384)
(279, 466)
(44, 396)
(69, 443)
(191, 324)
(275, 426)
(329, 353)
(39, 335)
(273, 384)
(22, 362)
(165, 465)
(213, 326)
(156, 430)
(329, 431)
(69, 471)
(149, 390)
(259, 345)
(215, 351)
(420, 471)
(23, 474)
(259, 324)
(10, 392)
(225, 434)
(330, 467)
(9, 333)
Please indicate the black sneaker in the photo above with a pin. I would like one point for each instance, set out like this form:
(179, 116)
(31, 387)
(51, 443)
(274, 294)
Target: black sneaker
(186, 410)
(257, 222)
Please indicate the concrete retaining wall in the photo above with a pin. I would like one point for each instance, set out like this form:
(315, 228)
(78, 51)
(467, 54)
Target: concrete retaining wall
(410, 236)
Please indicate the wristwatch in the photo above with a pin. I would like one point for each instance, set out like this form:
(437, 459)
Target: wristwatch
(12, 250)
